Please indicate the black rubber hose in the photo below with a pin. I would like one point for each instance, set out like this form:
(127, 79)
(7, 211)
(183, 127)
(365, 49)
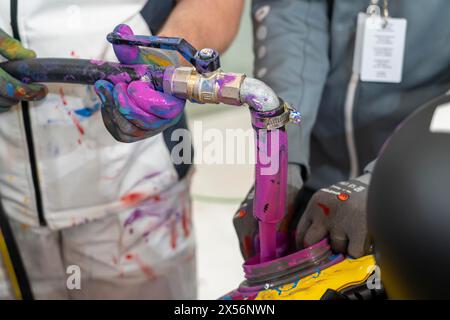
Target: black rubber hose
(79, 71)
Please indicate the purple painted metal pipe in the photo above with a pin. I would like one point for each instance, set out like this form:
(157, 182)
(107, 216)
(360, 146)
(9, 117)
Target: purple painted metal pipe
(269, 203)
(270, 188)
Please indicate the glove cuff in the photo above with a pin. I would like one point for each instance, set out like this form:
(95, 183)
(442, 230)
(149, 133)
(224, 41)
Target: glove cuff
(365, 178)
(294, 177)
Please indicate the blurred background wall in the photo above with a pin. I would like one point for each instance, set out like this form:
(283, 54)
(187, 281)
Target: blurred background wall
(218, 189)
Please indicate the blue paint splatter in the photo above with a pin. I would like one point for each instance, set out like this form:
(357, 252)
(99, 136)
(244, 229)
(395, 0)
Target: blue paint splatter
(333, 257)
(294, 285)
(318, 271)
(88, 111)
(10, 89)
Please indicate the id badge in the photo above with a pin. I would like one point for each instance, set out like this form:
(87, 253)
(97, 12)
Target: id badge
(379, 48)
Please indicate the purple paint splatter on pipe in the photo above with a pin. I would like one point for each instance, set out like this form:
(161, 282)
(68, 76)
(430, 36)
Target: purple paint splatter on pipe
(253, 100)
(225, 79)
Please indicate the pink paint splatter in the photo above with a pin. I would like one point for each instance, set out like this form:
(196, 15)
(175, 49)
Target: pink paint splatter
(132, 198)
(147, 270)
(173, 234)
(186, 222)
(74, 118)
(62, 96)
(76, 122)
(325, 209)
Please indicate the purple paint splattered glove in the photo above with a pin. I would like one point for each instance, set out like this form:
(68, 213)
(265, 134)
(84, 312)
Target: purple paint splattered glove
(338, 211)
(12, 90)
(135, 111)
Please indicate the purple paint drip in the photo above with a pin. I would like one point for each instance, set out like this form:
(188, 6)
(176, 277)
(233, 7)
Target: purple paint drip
(137, 215)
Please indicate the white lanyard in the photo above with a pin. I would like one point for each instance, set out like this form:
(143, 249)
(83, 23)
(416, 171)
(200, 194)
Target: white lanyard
(374, 10)
(374, 7)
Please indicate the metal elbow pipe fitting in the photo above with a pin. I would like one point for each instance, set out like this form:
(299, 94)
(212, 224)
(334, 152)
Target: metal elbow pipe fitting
(258, 96)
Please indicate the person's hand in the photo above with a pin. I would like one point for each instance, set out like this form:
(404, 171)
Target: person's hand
(339, 212)
(12, 90)
(246, 225)
(135, 111)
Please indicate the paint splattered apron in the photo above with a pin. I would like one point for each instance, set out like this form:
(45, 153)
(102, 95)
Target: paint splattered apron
(146, 252)
(111, 208)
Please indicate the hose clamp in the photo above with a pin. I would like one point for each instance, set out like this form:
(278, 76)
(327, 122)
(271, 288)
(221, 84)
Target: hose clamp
(271, 122)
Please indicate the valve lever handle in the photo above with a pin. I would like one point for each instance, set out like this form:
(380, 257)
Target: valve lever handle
(205, 60)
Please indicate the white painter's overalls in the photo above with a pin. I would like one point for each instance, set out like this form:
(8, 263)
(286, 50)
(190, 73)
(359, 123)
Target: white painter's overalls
(116, 212)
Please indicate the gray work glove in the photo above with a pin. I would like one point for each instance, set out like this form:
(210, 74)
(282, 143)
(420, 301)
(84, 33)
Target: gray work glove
(246, 225)
(12, 90)
(339, 212)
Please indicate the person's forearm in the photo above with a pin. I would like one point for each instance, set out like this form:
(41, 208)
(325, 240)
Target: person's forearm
(205, 23)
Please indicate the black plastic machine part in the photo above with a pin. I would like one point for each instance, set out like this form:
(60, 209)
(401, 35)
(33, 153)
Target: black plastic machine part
(360, 292)
(409, 206)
